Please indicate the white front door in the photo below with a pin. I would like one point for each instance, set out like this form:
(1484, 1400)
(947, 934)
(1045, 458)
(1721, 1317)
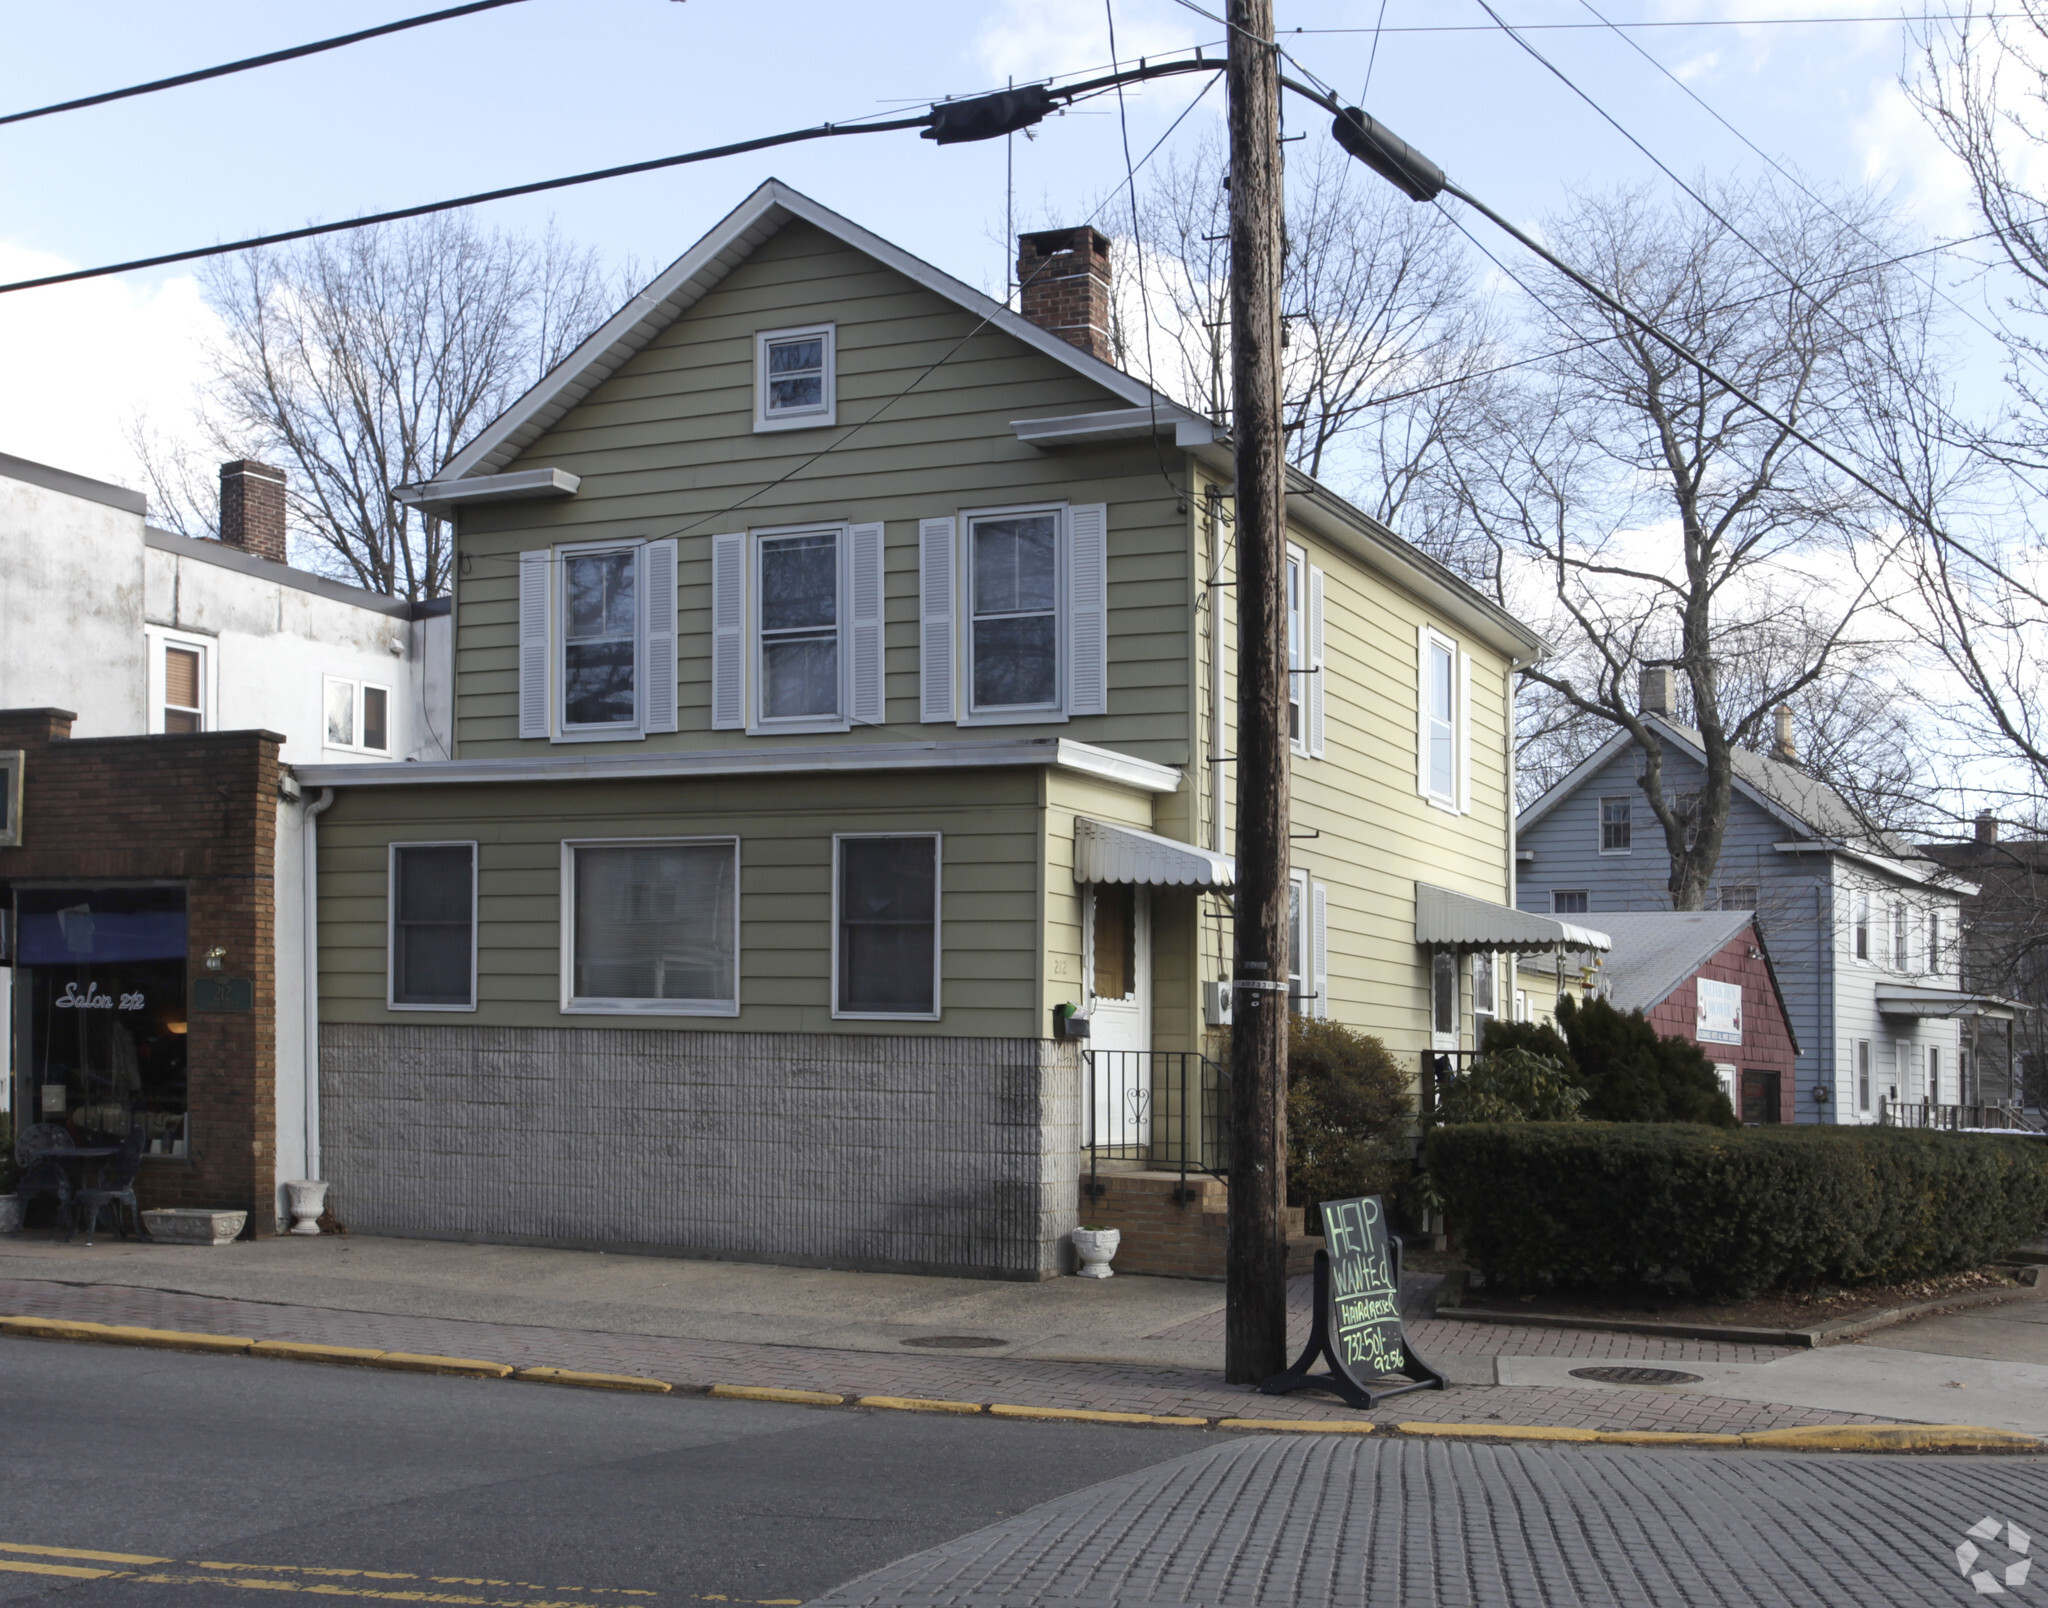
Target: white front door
(1118, 966)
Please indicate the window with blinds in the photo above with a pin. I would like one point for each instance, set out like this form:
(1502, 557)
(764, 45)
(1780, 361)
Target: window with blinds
(433, 926)
(183, 710)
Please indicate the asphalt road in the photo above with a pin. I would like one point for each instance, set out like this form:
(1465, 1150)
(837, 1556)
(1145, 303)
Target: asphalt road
(479, 1491)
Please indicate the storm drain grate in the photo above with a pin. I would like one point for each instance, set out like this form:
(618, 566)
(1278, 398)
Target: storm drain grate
(954, 1342)
(1636, 1376)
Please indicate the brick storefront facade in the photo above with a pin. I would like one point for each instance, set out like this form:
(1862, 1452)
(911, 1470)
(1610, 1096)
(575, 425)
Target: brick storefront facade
(198, 811)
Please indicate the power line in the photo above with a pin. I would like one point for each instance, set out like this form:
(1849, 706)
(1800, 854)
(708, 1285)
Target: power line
(930, 119)
(1696, 22)
(249, 62)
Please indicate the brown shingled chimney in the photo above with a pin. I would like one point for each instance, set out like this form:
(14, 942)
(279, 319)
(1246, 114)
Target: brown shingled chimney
(252, 508)
(1063, 280)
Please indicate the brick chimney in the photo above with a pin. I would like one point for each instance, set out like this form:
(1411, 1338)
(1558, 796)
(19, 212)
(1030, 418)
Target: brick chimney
(1987, 828)
(1653, 696)
(1063, 275)
(1784, 749)
(252, 508)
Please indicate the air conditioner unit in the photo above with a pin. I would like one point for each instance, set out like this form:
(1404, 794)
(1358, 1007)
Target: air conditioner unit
(1216, 998)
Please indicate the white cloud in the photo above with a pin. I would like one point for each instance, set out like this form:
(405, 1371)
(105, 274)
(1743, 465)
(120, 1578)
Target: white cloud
(1028, 39)
(81, 360)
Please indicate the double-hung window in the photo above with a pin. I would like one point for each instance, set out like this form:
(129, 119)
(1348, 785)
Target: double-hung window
(1308, 944)
(357, 716)
(183, 676)
(1616, 827)
(798, 581)
(1932, 960)
(597, 641)
(432, 939)
(184, 709)
(795, 378)
(1443, 721)
(1304, 654)
(1901, 940)
(1013, 585)
(1859, 926)
(1863, 1074)
(651, 926)
(885, 925)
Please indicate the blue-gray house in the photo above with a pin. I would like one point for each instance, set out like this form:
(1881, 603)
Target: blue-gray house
(1864, 931)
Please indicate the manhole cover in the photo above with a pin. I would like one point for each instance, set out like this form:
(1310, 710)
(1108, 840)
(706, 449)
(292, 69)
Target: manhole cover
(1636, 1376)
(955, 1342)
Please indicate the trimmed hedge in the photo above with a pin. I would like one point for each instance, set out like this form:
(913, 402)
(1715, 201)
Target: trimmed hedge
(1739, 1210)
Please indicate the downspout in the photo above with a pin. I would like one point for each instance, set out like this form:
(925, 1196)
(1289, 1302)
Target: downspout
(1216, 759)
(1514, 892)
(310, 951)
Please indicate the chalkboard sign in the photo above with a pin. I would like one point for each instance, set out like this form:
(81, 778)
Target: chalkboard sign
(1357, 1325)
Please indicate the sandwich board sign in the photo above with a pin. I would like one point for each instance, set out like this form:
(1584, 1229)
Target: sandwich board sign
(1357, 1326)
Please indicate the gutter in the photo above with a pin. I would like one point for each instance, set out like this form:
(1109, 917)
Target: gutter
(310, 951)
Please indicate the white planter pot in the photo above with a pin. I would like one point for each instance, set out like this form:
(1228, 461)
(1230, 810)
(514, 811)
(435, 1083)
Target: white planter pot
(1095, 1246)
(307, 1198)
(10, 1214)
(194, 1225)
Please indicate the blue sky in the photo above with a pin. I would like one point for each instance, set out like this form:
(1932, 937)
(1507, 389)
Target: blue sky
(549, 87)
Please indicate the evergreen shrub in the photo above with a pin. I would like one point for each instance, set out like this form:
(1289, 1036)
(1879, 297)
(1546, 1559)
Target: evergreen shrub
(1348, 1114)
(1739, 1211)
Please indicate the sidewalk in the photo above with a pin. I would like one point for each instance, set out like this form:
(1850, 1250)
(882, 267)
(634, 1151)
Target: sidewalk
(1126, 1344)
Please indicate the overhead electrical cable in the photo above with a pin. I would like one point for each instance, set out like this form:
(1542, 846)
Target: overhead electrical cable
(949, 122)
(1422, 180)
(1693, 22)
(248, 62)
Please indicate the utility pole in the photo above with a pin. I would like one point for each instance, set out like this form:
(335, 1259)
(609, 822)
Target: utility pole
(1255, 1325)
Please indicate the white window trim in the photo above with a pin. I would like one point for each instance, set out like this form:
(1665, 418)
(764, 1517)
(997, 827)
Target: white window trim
(357, 688)
(572, 1004)
(938, 841)
(1054, 713)
(811, 419)
(757, 724)
(1296, 592)
(1600, 823)
(558, 648)
(155, 640)
(391, 1001)
(1457, 801)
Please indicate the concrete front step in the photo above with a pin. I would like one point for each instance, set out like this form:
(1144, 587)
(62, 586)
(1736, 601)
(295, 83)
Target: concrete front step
(1184, 1238)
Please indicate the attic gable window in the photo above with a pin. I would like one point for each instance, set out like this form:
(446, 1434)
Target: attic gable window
(795, 382)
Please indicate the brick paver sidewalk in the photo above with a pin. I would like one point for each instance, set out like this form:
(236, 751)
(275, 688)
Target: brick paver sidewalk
(1022, 1381)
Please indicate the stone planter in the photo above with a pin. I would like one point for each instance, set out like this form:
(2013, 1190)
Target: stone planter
(1095, 1246)
(307, 1198)
(10, 1214)
(193, 1225)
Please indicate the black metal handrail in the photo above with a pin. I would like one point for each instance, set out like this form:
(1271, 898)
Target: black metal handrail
(1954, 1118)
(1164, 1109)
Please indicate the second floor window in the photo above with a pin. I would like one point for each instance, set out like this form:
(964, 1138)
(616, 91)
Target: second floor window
(1441, 719)
(1902, 958)
(357, 716)
(799, 590)
(600, 632)
(1738, 896)
(1933, 961)
(1615, 825)
(1014, 593)
(183, 706)
(1859, 927)
(795, 378)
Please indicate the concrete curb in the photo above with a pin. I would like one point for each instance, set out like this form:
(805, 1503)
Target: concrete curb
(1954, 1438)
(1833, 1333)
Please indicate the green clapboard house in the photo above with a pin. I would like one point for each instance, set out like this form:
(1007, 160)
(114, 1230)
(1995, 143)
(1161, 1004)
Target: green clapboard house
(839, 690)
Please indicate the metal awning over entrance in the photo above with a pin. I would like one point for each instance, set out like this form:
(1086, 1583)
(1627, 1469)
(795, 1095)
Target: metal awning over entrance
(1107, 853)
(1920, 1000)
(1447, 920)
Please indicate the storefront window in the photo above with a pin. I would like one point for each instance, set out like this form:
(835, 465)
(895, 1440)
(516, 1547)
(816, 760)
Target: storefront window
(101, 995)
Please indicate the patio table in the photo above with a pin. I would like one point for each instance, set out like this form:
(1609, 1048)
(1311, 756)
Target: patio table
(75, 1160)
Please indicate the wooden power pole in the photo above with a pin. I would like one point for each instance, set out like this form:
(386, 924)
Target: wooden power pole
(1255, 1345)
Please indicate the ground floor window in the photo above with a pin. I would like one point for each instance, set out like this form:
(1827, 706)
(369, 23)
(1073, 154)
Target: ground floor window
(1443, 994)
(1863, 1074)
(885, 936)
(100, 990)
(433, 926)
(654, 926)
(1760, 1092)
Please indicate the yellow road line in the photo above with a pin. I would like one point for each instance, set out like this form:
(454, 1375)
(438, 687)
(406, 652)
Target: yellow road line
(65, 1570)
(75, 1552)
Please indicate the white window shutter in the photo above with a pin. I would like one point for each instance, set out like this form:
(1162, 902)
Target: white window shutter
(1088, 609)
(658, 662)
(1317, 674)
(1422, 710)
(865, 623)
(1464, 734)
(935, 620)
(1319, 947)
(729, 632)
(536, 584)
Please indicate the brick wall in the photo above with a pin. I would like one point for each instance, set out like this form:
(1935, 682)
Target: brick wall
(201, 810)
(923, 1155)
(252, 512)
(1766, 1041)
(1183, 1238)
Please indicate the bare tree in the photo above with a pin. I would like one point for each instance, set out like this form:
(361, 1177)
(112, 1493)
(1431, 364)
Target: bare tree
(361, 362)
(1382, 324)
(1649, 516)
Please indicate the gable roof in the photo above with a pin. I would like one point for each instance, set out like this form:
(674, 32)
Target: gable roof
(1800, 801)
(698, 271)
(1656, 952)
